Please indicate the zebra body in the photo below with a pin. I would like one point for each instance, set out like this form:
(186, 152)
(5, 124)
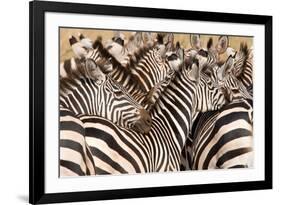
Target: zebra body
(223, 138)
(224, 76)
(75, 156)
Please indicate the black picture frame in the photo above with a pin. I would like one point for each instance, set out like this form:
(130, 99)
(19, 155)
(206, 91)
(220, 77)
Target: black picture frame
(37, 11)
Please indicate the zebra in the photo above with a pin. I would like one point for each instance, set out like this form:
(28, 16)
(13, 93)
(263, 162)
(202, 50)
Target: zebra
(119, 38)
(224, 138)
(239, 96)
(242, 61)
(141, 73)
(85, 89)
(243, 66)
(169, 42)
(86, 42)
(124, 51)
(226, 78)
(75, 155)
(149, 66)
(135, 42)
(118, 150)
(223, 76)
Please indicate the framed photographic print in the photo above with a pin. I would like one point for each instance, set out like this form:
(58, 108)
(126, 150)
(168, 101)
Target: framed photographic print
(140, 102)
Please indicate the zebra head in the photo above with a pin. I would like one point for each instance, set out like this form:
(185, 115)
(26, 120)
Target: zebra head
(222, 44)
(126, 111)
(118, 51)
(208, 95)
(174, 60)
(228, 76)
(87, 90)
(119, 38)
(129, 113)
(240, 59)
(85, 42)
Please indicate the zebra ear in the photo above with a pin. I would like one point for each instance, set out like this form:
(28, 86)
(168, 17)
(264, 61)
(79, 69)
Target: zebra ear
(225, 68)
(118, 37)
(222, 45)
(195, 41)
(94, 71)
(210, 44)
(243, 55)
(194, 73)
(189, 56)
(202, 61)
(159, 38)
(180, 52)
(169, 42)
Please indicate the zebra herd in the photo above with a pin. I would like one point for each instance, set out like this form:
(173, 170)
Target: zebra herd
(148, 105)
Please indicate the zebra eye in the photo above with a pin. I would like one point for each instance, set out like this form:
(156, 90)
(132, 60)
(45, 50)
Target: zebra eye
(209, 82)
(109, 60)
(118, 93)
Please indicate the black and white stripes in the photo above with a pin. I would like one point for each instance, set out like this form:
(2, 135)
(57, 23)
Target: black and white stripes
(75, 155)
(224, 139)
(148, 108)
(87, 90)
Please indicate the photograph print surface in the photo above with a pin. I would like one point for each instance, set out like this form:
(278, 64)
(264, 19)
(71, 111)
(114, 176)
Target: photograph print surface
(141, 102)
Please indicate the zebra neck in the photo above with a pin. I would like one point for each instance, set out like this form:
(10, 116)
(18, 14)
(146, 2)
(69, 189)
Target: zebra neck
(124, 77)
(174, 109)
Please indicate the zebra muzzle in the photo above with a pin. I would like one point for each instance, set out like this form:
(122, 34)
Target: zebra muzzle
(143, 125)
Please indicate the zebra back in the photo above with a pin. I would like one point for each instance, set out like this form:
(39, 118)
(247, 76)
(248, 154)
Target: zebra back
(224, 139)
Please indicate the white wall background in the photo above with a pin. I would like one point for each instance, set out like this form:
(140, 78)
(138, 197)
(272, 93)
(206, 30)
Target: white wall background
(14, 100)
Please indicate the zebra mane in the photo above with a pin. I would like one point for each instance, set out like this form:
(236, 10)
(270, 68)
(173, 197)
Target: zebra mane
(155, 92)
(210, 43)
(244, 50)
(139, 54)
(73, 73)
(160, 38)
(104, 52)
(131, 65)
(134, 61)
(75, 70)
